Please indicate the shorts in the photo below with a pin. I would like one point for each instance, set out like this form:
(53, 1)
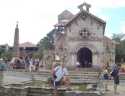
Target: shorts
(57, 83)
(116, 80)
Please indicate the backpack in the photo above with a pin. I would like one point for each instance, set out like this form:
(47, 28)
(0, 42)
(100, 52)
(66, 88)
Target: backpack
(54, 75)
(114, 72)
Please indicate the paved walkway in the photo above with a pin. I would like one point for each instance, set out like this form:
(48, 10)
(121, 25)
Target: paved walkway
(121, 90)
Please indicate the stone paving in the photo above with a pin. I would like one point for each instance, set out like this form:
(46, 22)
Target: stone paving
(121, 90)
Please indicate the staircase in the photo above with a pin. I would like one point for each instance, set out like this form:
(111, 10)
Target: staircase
(81, 76)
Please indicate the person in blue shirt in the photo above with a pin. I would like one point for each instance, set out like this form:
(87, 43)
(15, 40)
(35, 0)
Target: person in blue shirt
(115, 75)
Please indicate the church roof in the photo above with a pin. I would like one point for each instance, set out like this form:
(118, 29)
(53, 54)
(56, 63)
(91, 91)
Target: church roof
(87, 13)
(27, 44)
(109, 41)
(65, 16)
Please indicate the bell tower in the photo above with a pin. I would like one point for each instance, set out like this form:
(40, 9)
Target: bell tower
(86, 5)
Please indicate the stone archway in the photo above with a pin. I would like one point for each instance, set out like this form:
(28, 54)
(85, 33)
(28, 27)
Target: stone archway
(84, 57)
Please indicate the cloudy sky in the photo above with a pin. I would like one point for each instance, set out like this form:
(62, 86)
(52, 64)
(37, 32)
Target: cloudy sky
(37, 17)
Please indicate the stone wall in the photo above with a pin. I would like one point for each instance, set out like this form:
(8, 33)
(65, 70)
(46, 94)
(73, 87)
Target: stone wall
(30, 91)
(13, 91)
(78, 93)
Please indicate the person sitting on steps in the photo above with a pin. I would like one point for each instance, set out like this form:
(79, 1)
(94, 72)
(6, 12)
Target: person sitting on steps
(59, 76)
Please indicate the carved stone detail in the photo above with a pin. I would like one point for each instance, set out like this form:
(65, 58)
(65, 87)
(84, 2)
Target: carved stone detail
(84, 33)
(88, 39)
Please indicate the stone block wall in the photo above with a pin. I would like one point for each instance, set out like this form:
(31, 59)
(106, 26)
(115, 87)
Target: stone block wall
(13, 91)
(30, 91)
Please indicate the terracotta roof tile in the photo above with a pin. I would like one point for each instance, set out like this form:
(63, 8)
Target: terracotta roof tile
(27, 44)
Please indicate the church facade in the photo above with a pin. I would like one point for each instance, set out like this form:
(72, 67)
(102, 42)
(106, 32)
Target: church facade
(81, 39)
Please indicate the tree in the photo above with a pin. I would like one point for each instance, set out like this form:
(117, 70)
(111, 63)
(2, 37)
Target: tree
(2, 51)
(46, 43)
(120, 52)
(5, 54)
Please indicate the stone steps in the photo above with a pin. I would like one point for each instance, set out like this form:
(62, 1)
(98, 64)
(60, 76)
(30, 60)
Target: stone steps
(82, 76)
(75, 76)
(79, 76)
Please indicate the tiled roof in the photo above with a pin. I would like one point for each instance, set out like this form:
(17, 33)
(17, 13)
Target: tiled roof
(65, 17)
(109, 41)
(27, 44)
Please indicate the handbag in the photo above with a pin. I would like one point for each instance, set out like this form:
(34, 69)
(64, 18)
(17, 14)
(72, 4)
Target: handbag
(54, 75)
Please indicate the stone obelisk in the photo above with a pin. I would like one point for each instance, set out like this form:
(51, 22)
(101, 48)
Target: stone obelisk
(16, 42)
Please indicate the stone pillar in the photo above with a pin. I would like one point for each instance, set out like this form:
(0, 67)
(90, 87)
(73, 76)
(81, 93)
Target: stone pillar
(71, 60)
(74, 59)
(16, 42)
(97, 59)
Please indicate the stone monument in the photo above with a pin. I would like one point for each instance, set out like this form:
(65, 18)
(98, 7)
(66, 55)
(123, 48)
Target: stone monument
(16, 42)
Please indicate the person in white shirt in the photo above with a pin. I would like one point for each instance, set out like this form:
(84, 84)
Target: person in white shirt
(60, 75)
(31, 66)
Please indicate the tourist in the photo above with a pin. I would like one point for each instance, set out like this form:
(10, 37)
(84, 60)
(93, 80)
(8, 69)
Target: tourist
(106, 78)
(27, 62)
(100, 82)
(115, 75)
(51, 78)
(60, 73)
(77, 65)
(36, 63)
(89, 64)
(41, 66)
(22, 62)
(113, 66)
(31, 66)
(12, 63)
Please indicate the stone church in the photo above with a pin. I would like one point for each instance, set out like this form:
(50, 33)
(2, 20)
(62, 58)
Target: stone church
(81, 39)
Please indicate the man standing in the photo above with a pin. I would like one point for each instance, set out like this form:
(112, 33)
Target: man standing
(115, 75)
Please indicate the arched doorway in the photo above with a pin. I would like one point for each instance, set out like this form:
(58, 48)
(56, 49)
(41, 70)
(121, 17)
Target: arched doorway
(84, 57)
